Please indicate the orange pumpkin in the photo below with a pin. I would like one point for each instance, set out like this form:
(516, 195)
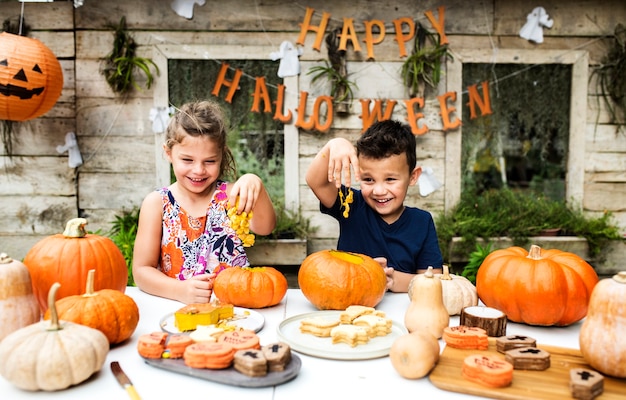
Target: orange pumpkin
(250, 287)
(67, 258)
(110, 311)
(334, 280)
(538, 287)
(31, 78)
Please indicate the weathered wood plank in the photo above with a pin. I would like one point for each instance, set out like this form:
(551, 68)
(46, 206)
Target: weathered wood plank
(605, 162)
(102, 117)
(39, 136)
(58, 15)
(114, 191)
(17, 246)
(605, 196)
(603, 138)
(17, 178)
(131, 155)
(36, 215)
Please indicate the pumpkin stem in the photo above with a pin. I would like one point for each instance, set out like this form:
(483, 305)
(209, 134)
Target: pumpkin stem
(54, 316)
(75, 228)
(446, 273)
(5, 259)
(534, 252)
(429, 273)
(89, 290)
(620, 277)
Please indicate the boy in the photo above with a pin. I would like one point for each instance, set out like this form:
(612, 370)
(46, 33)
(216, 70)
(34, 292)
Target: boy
(377, 223)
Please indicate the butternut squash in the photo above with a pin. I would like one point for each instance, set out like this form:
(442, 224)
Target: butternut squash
(427, 309)
(415, 354)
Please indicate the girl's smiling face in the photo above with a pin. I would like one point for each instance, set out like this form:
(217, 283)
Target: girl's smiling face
(196, 163)
(385, 182)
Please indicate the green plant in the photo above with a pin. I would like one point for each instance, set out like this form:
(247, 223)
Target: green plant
(341, 86)
(289, 225)
(123, 233)
(611, 77)
(518, 215)
(120, 64)
(476, 258)
(423, 66)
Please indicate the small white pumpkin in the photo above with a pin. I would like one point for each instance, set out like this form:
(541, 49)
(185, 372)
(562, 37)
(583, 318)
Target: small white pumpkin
(458, 292)
(52, 355)
(18, 305)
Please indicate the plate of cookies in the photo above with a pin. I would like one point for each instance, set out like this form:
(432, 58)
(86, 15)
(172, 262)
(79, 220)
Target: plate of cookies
(356, 333)
(234, 358)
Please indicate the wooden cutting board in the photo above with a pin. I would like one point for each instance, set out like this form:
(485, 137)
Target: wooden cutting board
(551, 384)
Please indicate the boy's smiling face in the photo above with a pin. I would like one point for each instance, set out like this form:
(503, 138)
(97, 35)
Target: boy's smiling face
(384, 184)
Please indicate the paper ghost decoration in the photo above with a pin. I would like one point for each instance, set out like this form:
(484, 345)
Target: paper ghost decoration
(427, 182)
(160, 117)
(184, 8)
(289, 62)
(535, 22)
(71, 146)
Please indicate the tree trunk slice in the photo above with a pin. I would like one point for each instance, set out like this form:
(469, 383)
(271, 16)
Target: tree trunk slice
(487, 318)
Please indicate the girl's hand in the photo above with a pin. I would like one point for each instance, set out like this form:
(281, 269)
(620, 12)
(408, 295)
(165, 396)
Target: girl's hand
(197, 289)
(248, 187)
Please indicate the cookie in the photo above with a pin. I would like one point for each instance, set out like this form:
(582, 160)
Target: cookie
(487, 370)
(217, 355)
(466, 337)
(152, 345)
(528, 358)
(585, 384)
(176, 344)
(376, 325)
(351, 335)
(354, 311)
(250, 362)
(505, 343)
(318, 326)
(278, 355)
(241, 340)
(206, 333)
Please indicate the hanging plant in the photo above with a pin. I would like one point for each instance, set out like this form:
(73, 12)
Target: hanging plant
(423, 66)
(336, 72)
(611, 77)
(120, 64)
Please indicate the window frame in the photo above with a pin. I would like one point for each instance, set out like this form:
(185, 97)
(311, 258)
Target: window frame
(574, 180)
(163, 52)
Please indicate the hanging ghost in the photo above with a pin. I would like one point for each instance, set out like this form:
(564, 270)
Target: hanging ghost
(289, 62)
(160, 117)
(535, 22)
(184, 8)
(71, 146)
(427, 182)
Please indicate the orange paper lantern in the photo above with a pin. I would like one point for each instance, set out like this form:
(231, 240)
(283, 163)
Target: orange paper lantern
(31, 78)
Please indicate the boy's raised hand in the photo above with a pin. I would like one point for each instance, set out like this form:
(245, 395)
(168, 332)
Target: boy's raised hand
(342, 160)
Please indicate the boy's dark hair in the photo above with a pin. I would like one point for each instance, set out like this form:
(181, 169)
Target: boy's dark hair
(385, 138)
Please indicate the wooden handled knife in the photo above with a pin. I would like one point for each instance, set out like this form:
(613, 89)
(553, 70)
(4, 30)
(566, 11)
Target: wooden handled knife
(124, 381)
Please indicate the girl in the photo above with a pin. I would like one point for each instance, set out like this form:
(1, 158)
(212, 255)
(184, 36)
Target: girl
(184, 231)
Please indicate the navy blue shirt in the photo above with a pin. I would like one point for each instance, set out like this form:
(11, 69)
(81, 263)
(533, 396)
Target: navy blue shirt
(408, 244)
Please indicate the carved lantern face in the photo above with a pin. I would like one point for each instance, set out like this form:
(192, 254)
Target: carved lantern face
(31, 78)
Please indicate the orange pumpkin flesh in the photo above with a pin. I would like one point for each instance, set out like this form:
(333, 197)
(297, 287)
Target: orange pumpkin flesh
(110, 311)
(67, 258)
(250, 287)
(334, 280)
(539, 287)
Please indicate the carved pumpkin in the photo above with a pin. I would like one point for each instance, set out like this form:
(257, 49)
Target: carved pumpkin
(538, 287)
(110, 311)
(18, 305)
(52, 355)
(250, 287)
(31, 78)
(334, 280)
(67, 258)
(603, 333)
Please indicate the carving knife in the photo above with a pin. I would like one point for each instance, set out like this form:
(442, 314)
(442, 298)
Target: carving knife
(124, 381)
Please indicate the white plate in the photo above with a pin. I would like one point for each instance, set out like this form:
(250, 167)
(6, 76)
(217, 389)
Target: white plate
(379, 346)
(243, 318)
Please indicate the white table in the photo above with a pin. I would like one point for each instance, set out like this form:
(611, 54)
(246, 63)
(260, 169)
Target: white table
(318, 378)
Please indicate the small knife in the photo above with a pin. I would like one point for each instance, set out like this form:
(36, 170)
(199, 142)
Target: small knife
(124, 381)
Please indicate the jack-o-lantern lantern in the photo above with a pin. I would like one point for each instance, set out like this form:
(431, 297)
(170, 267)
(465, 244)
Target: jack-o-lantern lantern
(31, 78)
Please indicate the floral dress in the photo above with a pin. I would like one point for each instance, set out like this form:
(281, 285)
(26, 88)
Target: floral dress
(192, 246)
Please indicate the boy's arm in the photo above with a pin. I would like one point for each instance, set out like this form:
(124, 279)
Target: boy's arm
(334, 162)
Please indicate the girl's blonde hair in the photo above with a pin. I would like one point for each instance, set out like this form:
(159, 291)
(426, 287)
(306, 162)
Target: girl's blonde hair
(202, 118)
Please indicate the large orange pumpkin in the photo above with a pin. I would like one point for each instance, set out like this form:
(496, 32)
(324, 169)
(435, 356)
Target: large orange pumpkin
(538, 287)
(334, 280)
(110, 311)
(250, 287)
(67, 258)
(31, 78)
